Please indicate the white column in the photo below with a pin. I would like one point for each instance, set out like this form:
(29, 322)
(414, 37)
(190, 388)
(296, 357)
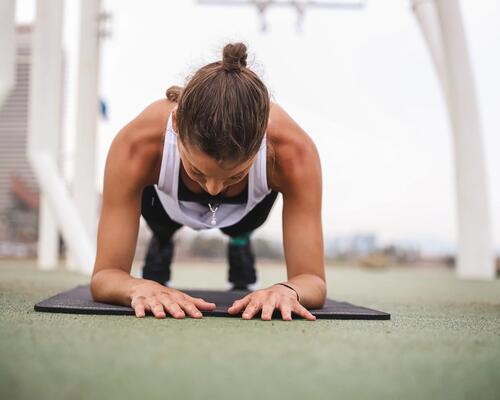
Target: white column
(475, 244)
(45, 124)
(428, 19)
(84, 182)
(46, 106)
(443, 29)
(48, 236)
(7, 48)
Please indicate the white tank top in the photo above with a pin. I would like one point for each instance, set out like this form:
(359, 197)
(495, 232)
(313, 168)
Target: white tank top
(196, 215)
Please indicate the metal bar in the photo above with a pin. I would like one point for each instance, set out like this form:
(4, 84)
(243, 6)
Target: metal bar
(291, 3)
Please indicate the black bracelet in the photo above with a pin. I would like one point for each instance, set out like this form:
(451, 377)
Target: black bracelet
(289, 287)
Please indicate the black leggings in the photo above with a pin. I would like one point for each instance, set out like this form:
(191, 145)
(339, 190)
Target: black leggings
(164, 227)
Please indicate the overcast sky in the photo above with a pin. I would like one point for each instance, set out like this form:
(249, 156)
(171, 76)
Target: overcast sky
(361, 83)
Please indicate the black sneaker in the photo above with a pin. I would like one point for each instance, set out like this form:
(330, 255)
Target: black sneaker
(242, 274)
(158, 260)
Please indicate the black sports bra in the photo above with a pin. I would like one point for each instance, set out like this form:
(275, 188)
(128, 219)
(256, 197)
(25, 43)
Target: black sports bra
(184, 194)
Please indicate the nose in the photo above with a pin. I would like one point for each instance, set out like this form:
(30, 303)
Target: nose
(214, 187)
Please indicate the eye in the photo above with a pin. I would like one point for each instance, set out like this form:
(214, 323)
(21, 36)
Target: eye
(197, 175)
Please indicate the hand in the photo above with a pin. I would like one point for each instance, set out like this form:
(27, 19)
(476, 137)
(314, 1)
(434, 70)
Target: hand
(276, 296)
(151, 296)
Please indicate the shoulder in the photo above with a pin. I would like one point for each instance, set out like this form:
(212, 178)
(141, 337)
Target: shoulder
(137, 148)
(150, 123)
(293, 156)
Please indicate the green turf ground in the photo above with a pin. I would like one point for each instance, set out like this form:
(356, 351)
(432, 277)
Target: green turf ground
(443, 342)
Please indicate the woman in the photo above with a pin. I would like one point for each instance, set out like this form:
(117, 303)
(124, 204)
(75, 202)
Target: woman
(213, 155)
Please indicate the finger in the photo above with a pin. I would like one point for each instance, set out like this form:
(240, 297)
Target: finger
(286, 312)
(201, 304)
(139, 308)
(173, 308)
(156, 308)
(251, 310)
(239, 305)
(267, 311)
(190, 309)
(299, 309)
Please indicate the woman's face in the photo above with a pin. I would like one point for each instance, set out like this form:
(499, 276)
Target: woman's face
(213, 177)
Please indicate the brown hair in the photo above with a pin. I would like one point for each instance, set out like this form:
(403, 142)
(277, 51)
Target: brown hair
(224, 108)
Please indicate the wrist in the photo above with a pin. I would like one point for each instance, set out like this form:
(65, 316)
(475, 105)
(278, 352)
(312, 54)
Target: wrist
(290, 288)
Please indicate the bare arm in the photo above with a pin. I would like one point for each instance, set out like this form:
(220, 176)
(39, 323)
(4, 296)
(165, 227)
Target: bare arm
(119, 222)
(132, 164)
(298, 177)
(302, 228)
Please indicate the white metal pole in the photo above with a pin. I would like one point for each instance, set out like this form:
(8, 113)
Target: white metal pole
(428, 19)
(48, 236)
(45, 123)
(475, 244)
(84, 182)
(442, 24)
(46, 106)
(7, 48)
(62, 206)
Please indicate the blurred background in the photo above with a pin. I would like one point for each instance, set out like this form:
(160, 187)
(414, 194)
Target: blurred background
(357, 76)
(401, 97)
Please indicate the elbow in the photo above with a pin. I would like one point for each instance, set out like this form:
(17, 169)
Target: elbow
(95, 286)
(320, 292)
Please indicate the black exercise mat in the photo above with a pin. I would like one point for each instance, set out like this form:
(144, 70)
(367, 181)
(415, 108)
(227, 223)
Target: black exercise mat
(79, 301)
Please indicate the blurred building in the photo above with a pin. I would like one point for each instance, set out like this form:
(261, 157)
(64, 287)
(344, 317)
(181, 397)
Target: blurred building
(19, 195)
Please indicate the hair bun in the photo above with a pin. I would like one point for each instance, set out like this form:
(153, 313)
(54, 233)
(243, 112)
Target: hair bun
(174, 93)
(234, 57)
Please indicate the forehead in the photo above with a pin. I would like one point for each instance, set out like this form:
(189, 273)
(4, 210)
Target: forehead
(208, 165)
